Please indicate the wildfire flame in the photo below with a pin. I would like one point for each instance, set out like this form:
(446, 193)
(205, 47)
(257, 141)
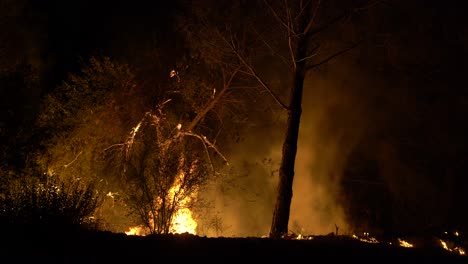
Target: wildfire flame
(404, 243)
(183, 221)
(445, 246)
(449, 246)
(366, 238)
(135, 231)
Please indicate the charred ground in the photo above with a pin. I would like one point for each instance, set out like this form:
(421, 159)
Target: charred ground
(80, 246)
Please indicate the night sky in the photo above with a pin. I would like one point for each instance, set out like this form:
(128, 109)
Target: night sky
(394, 107)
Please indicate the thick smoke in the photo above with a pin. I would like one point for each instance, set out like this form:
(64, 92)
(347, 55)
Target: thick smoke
(332, 122)
(241, 201)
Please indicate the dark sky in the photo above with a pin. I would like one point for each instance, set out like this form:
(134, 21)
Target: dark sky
(76, 29)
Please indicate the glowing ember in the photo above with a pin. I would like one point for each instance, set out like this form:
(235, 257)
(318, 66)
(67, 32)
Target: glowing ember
(461, 251)
(444, 244)
(458, 250)
(403, 243)
(366, 238)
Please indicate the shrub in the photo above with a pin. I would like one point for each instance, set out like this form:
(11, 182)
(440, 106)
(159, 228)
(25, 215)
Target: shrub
(48, 203)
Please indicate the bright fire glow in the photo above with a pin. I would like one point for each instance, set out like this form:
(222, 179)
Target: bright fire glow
(366, 238)
(182, 222)
(403, 243)
(135, 231)
(444, 245)
(458, 250)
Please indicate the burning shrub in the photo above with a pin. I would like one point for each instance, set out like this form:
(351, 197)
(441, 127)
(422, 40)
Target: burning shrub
(48, 202)
(163, 169)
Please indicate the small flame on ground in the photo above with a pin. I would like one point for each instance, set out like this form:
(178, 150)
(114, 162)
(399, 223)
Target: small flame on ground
(366, 238)
(303, 237)
(458, 250)
(135, 231)
(404, 243)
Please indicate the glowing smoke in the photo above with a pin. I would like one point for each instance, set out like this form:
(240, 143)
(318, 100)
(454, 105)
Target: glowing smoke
(331, 124)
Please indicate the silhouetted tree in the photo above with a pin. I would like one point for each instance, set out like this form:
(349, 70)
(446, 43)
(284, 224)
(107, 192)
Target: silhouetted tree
(271, 40)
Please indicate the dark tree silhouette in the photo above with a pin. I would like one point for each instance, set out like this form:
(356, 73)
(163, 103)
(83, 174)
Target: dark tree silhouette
(290, 32)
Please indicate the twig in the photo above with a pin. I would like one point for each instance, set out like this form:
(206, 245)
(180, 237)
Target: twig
(70, 163)
(309, 67)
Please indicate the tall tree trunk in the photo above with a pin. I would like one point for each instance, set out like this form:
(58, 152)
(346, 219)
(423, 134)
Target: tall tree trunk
(279, 226)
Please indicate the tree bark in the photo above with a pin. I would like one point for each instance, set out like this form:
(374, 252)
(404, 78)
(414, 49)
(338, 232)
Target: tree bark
(279, 226)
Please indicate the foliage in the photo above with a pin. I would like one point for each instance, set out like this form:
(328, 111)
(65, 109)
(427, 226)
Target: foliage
(87, 113)
(84, 94)
(86, 122)
(48, 202)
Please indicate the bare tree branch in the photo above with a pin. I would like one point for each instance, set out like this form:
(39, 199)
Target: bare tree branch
(309, 32)
(313, 53)
(207, 143)
(290, 32)
(213, 102)
(71, 162)
(251, 70)
(275, 14)
(286, 61)
(303, 7)
(114, 145)
(312, 19)
(310, 67)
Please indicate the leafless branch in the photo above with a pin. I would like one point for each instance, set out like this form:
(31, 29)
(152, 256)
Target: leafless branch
(312, 54)
(309, 67)
(290, 32)
(309, 32)
(252, 72)
(303, 7)
(213, 102)
(312, 18)
(71, 162)
(218, 133)
(114, 145)
(276, 53)
(275, 14)
(207, 144)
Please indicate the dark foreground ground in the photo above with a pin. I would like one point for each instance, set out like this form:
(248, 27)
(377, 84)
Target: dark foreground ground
(106, 247)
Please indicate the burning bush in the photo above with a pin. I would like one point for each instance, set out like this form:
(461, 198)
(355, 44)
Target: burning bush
(163, 168)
